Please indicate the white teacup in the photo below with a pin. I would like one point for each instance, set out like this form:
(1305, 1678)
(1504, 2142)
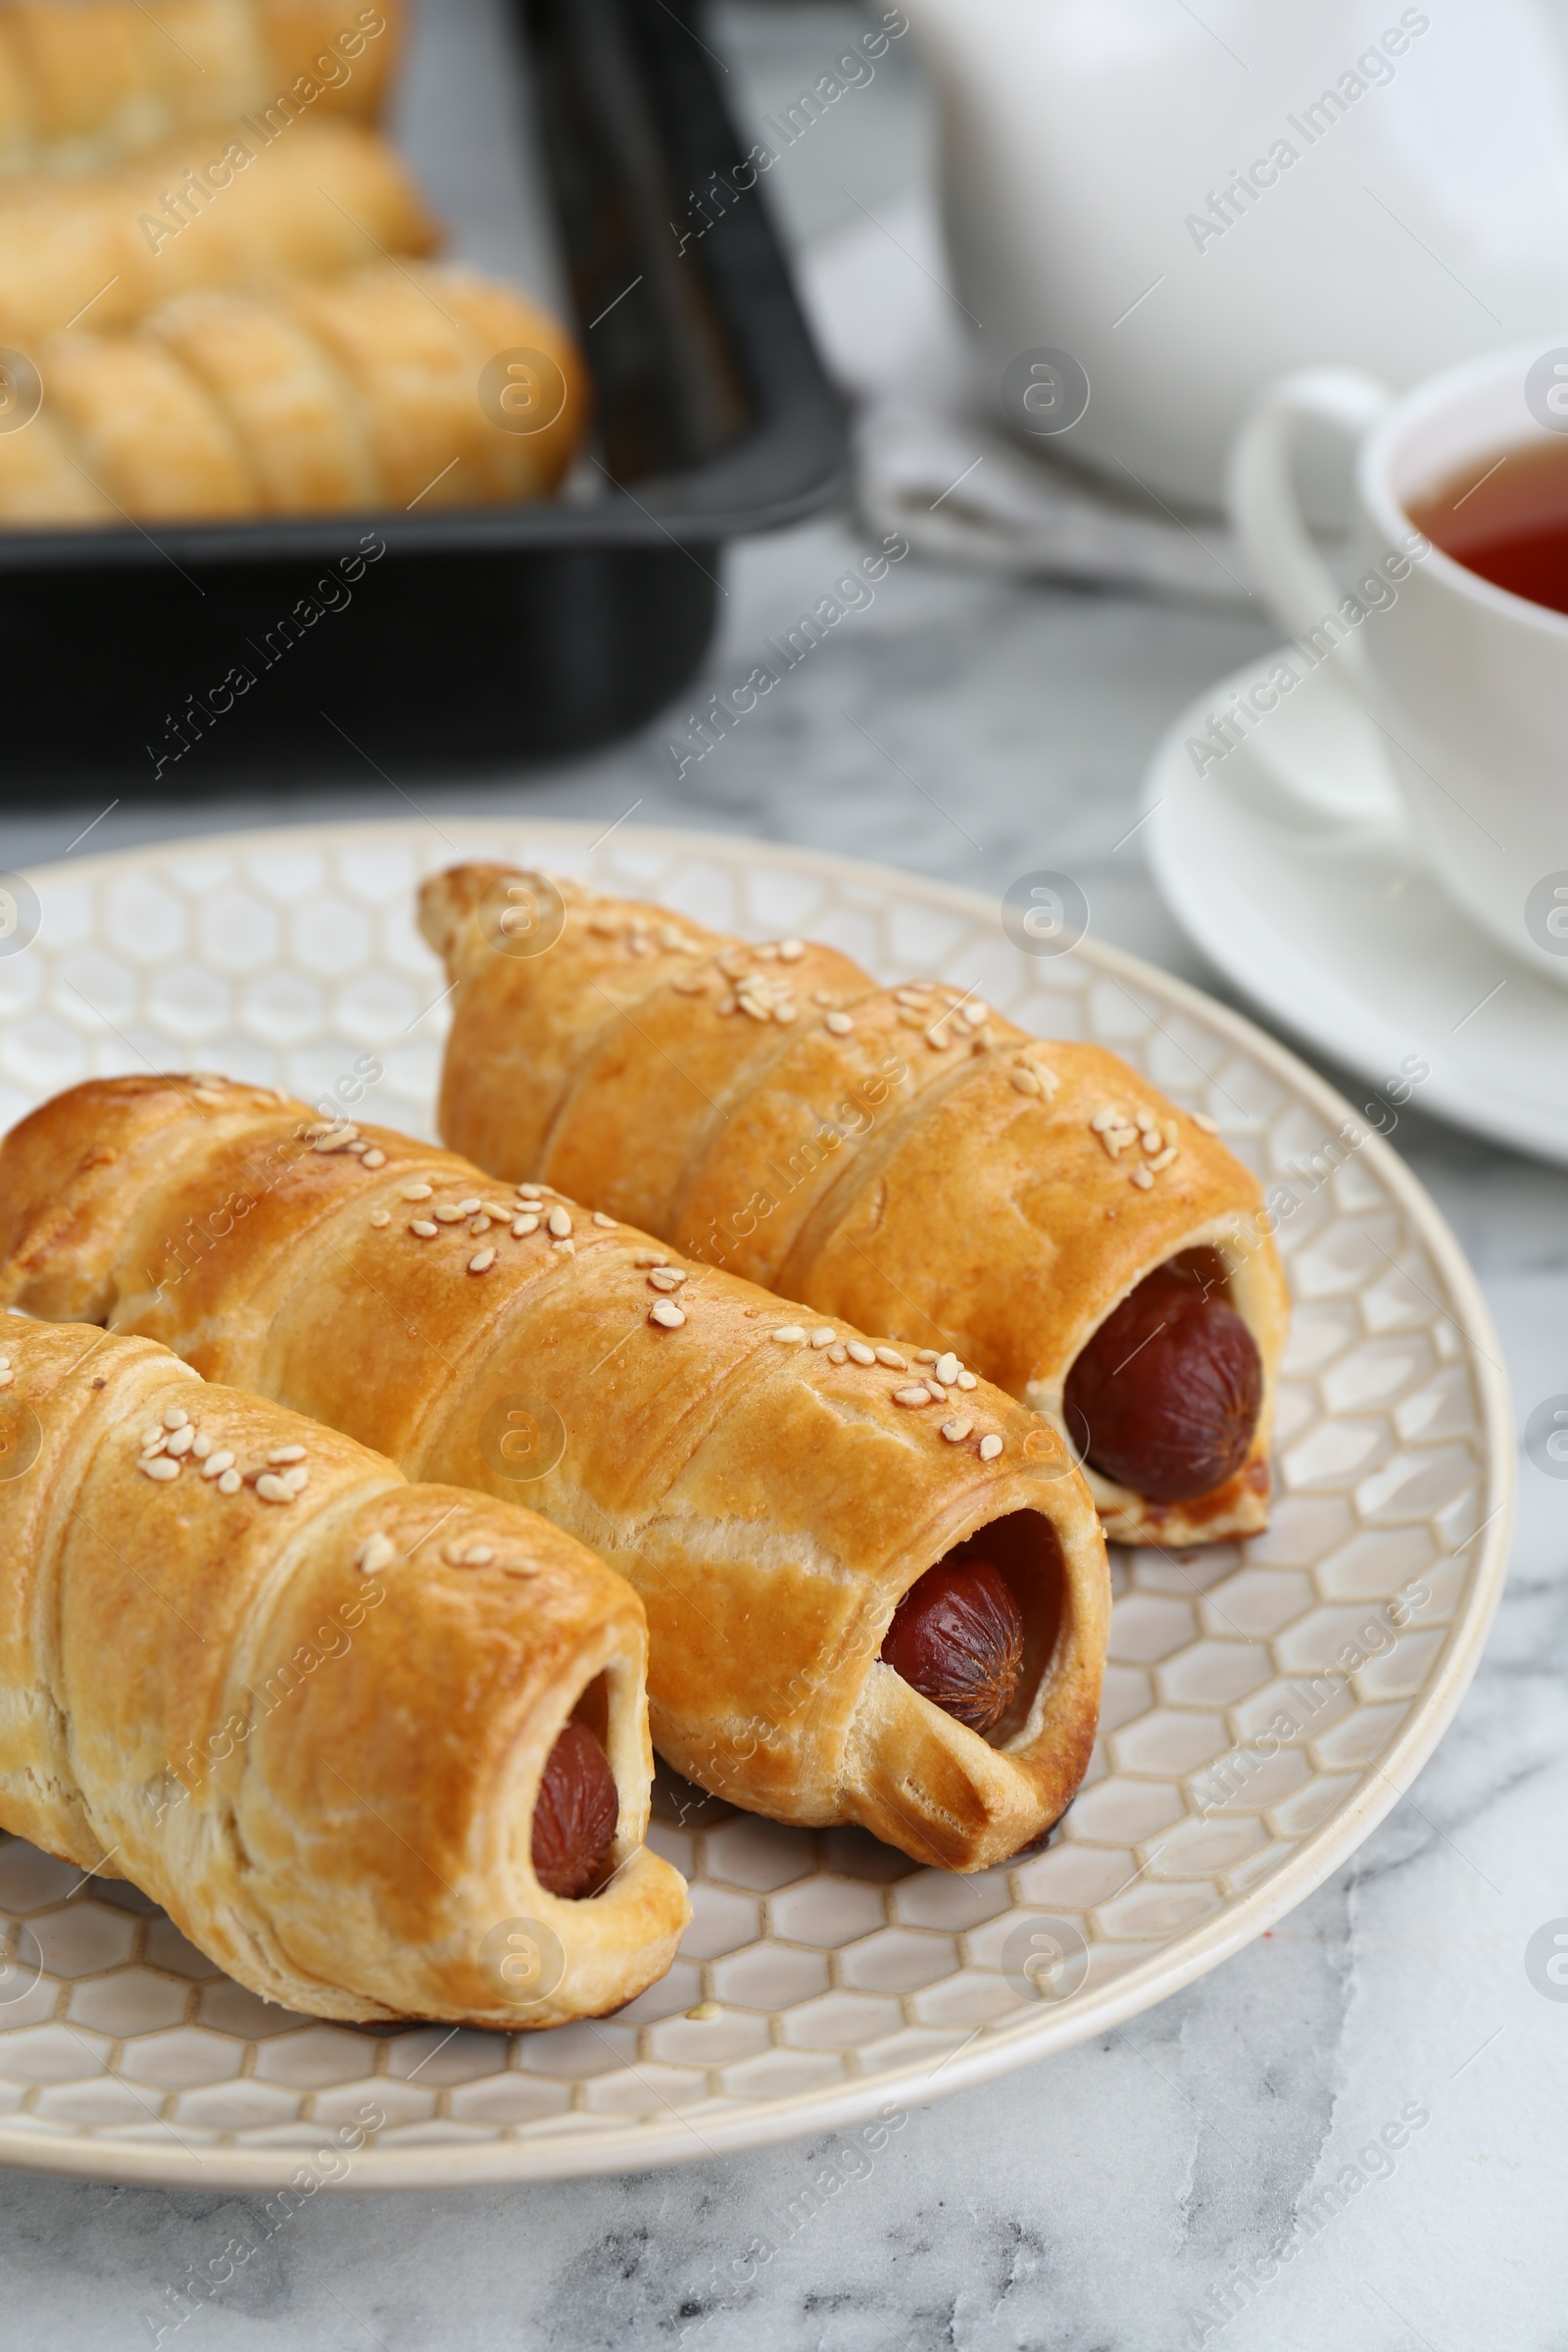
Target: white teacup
(1465, 683)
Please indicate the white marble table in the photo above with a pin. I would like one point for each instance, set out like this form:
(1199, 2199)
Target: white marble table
(1165, 2187)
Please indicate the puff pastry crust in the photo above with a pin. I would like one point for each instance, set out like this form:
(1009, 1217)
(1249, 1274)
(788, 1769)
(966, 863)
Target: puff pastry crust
(309, 1723)
(325, 196)
(890, 1155)
(356, 392)
(86, 86)
(772, 1500)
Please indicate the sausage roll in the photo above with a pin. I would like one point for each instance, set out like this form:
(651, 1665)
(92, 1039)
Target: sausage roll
(220, 208)
(905, 1156)
(89, 85)
(359, 392)
(380, 1750)
(876, 1588)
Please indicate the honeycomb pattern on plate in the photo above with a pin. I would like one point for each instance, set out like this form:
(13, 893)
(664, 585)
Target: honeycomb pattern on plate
(1252, 1692)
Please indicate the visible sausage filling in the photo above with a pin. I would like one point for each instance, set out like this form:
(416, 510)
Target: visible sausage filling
(574, 1815)
(958, 1637)
(1165, 1396)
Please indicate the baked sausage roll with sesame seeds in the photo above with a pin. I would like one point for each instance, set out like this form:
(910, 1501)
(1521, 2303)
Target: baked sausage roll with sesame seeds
(903, 1157)
(876, 1588)
(380, 1750)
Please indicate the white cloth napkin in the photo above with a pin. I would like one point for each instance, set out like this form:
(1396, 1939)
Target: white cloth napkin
(932, 462)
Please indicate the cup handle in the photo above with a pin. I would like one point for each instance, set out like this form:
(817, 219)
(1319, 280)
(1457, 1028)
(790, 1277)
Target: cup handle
(1346, 778)
(1263, 495)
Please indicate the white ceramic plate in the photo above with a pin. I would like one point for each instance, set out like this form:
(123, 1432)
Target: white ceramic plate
(824, 1977)
(1339, 931)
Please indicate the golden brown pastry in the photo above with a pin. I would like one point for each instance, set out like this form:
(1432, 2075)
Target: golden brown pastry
(902, 1155)
(359, 392)
(774, 1489)
(336, 1724)
(221, 208)
(90, 84)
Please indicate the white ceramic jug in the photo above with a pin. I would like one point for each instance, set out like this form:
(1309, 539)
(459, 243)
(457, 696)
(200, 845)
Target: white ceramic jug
(1191, 208)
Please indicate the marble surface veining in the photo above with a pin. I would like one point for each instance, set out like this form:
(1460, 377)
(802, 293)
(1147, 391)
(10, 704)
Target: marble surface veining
(1221, 2169)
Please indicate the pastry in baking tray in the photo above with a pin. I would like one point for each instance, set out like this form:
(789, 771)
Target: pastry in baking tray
(90, 84)
(876, 1588)
(362, 392)
(219, 208)
(380, 1750)
(905, 1156)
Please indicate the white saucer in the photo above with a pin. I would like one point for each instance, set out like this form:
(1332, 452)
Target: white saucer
(1335, 928)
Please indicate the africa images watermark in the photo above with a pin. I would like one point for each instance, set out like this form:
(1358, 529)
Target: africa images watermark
(1373, 68)
(198, 189)
(851, 70)
(331, 595)
(853, 592)
(1245, 712)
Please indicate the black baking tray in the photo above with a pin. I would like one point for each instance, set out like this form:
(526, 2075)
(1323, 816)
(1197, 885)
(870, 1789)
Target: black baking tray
(507, 634)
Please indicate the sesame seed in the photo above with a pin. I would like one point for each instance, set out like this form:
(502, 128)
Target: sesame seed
(956, 1430)
(1143, 1179)
(296, 1481)
(1024, 1079)
(155, 1445)
(974, 1015)
(860, 1352)
(469, 1209)
(912, 1397)
(841, 1024)
(201, 1446)
(600, 1218)
(925, 1355)
(560, 1223)
(479, 1224)
(825, 1337)
(911, 995)
(989, 1447)
(529, 1192)
(376, 1552)
(446, 1214)
(1115, 1140)
(690, 984)
(671, 937)
(424, 1229)
(565, 1248)
(786, 1013)
(758, 1012)
(768, 952)
(176, 1417)
(1106, 1117)
(286, 1454)
(1162, 1160)
(602, 926)
(822, 996)
(666, 1278)
(938, 1040)
(231, 1483)
(838, 1354)
(153, 1436)
(217, 1463)
(492, 1209)
(6, 1376)
(375, 1157)
(790, 1335)
(380, 1218)
(160, 1466)
(725, 1005)
(522, 1227)
(666, 1314)
(935, 1390)
(912, 1017)
(947, 1367)
(179, 1443)
(790, 951)
(478, 1555)
(893, 1359)
(417, 1192)
(272, 1488)
(1202, 1119)
(481, 1262)
(967, 1380)
(638, 944)
(1145, 1120)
